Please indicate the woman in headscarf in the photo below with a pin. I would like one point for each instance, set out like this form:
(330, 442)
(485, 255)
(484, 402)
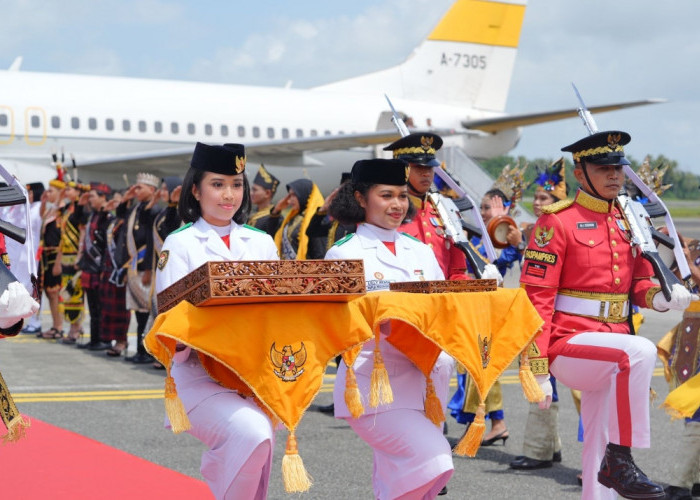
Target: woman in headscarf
(304, 198)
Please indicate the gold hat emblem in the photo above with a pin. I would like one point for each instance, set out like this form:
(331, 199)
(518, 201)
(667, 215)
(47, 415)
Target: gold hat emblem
(613, 140)
(240, 164)
(426, 142)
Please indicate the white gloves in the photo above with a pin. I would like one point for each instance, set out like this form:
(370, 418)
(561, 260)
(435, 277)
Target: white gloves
(680, 299)
(546, 386)
(491, 272)
(15, 304)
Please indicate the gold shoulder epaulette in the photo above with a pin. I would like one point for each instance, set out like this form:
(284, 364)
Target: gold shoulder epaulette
(557, 206)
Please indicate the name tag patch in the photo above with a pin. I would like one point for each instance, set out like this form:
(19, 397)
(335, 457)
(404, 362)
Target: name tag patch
(546, 257)
(374, 285)
(587, 225)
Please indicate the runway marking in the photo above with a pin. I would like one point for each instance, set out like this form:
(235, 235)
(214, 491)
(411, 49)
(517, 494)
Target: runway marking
(137, 394)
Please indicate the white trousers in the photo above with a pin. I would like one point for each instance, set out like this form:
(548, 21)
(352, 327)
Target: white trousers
(238, 434)
(613, 372)
(412, 458)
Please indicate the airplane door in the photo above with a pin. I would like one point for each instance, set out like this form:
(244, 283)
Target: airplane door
(34, 126)
(7, 125)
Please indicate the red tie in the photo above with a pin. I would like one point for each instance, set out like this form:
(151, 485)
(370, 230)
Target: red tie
(227, 240)
(391, 245)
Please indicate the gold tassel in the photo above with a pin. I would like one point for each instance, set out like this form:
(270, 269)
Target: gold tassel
(174, 409)
(433, 405)
(353, 400)
(652, 395)
(16, 429)
(296, 479)
(672, 412)
(533, 391)
(470, 442)
(379, 388)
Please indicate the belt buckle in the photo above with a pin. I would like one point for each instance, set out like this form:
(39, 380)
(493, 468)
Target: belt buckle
(615, 311)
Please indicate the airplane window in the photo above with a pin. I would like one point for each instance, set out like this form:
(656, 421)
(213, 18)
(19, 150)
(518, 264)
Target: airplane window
(92, 123)
(313, 133)
(126, 125)
(174, 128)
(207, 129)
(241, 131)
(158, 127)
(190, 128)
(256, 131)
(224, 130)
(3, 120)
(55, 121)
(74, 122)
(300, 133)
(270, 132)
(327, 132)
(142, 126)
(109, 124)
(285, 133)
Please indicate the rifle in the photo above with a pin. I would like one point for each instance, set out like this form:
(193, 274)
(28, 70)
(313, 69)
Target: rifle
(643, 231)
(450, 215)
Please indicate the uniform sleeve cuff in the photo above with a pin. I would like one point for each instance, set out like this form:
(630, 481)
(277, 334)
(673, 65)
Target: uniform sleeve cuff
(539, 366)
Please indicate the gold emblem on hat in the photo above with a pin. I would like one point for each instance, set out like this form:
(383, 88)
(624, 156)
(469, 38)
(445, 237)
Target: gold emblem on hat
(408, 171)
(426, 143)
(240, 164)
(613, 140)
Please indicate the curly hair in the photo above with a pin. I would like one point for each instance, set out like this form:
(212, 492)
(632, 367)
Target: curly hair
(346, 210)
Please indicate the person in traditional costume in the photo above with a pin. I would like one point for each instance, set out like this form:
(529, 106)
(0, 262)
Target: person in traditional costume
(412, 458)
(303, 198)
(71, 221)
(585, 340)
(261, 194)
(90, 263)
(239, 435)
(135, 209)
(323, 231)
(48, 248)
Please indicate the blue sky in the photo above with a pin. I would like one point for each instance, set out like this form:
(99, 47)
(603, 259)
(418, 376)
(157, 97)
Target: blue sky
(613, 51)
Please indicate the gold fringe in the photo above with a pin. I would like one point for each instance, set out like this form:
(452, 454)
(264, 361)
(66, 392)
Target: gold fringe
(353, 400)
(470, 442)
(16, 429)
(379, 388)
(296, 479)
(174, 409)
(433, 405)
(672, 412)
(531, 389)
(652, 395)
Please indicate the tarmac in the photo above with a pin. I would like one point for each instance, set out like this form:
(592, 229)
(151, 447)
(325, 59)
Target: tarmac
(121, 404)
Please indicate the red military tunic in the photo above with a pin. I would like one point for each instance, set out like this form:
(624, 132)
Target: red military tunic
(583, 247)
(426, 227)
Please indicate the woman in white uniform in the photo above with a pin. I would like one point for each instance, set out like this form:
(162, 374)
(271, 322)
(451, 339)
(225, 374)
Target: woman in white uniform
(412, 458)
(215, 202)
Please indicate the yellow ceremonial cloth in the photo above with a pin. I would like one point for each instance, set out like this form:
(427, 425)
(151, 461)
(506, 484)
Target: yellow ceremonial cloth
(483, 331)
(276, 351)
(684, 401)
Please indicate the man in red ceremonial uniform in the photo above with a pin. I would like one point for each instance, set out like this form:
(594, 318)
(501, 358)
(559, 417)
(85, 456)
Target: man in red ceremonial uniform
(582, 275)
(419, 151)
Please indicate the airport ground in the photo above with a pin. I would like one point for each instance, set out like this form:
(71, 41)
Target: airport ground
(121, 405)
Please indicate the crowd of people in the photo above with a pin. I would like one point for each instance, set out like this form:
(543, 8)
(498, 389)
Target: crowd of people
(114, 250)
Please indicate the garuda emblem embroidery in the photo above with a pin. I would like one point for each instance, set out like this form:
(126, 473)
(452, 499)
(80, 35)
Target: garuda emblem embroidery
(485, 350)
(426, 142)
(287, 362)
(543, 235)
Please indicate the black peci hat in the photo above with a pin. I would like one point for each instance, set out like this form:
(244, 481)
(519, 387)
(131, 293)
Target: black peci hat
(266, 180)
(228, 159)
(417, 148)
(601, 148)
(380, 171)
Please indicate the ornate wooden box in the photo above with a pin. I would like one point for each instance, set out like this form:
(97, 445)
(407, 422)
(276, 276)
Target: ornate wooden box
(438, 286)
(242, 282)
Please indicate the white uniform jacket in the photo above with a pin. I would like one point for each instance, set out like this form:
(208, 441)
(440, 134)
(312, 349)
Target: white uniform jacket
(191, 246)
(414, 261)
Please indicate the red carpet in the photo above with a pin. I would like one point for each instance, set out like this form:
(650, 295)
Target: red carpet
(54, 463)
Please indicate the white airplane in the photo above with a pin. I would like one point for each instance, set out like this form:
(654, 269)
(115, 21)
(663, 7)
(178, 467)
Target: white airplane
(455, 83)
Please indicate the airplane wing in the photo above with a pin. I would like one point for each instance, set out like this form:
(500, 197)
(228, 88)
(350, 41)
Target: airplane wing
(263, 150)
(497, 124)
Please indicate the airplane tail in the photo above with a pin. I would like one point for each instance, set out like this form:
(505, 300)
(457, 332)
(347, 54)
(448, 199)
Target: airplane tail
(467, 60)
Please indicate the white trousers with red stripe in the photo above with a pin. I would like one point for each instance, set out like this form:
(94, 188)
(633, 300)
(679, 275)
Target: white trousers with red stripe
(613, 372)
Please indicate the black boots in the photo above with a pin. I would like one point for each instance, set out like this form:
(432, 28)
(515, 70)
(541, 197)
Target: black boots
(619, 472)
